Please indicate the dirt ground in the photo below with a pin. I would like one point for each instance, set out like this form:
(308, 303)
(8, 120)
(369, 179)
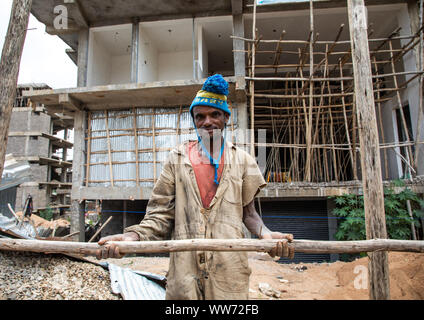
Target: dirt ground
(315, 281)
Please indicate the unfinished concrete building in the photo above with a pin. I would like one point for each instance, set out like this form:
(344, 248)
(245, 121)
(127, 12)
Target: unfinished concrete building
(140, 63)
(33, 142)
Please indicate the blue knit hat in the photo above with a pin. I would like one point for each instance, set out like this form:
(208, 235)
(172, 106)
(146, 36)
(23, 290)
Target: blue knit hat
(213, 94)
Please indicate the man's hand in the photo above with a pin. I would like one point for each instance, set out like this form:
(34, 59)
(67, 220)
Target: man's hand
(282, 249)
(112, 250)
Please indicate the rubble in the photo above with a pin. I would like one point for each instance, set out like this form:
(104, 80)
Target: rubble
(266, 289)
(28, 276)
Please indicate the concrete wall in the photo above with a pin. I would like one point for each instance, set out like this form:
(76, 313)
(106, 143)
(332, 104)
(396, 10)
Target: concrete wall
(40, 197)
(120, 69)
(28, 121)
(202, 53)
(98, 63)
(411, 94)
(147, 62)
(175, 65)
(109, 59)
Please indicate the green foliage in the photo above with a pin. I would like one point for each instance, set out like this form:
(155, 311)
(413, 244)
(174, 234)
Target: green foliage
(351, 217)
(47, 214)
(350, 210)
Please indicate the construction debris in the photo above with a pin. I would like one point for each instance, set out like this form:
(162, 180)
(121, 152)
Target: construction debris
(29, 276)
(266, 289)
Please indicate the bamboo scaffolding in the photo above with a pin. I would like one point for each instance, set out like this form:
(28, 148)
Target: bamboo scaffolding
(131, 247)
(400, 106)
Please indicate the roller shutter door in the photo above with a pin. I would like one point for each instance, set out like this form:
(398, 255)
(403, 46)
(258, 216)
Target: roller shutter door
(304, 219)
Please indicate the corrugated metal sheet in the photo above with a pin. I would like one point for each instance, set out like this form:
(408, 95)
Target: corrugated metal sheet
(24, 230)
(166, 124)
(15, 173)
(133, 285)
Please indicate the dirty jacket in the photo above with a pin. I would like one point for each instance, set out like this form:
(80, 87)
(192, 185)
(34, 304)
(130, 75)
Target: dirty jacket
(175, 211)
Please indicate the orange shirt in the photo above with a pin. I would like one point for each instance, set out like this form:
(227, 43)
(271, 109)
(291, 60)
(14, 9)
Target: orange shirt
(204, 173)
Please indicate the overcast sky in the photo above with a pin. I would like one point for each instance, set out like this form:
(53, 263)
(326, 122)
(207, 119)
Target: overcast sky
(44, 59)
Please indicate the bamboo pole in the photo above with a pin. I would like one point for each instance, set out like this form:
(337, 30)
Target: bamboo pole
(380, 121)
(109, 149)
(323, 42)
(351, 151)
(154, 144)
(409, 153)
(127, 247)
(100, 229)
(137, 174)
(87, 178)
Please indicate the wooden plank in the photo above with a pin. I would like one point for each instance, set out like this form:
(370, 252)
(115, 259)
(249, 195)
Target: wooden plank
(56, 184)
(305, 246)
(370, 154)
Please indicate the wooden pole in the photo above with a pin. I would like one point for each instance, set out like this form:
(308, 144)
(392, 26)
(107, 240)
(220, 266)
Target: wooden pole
(370, 154)
(9, 68)
(306, 246)
(100, 229)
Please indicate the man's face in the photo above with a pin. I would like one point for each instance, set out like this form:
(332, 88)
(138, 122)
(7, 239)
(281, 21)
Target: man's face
(209, 121)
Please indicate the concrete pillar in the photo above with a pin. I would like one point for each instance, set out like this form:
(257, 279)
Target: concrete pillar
(78, 219)
(239, 57)
(83, 40)
(78, 174)
(240, 72)
(135, 50)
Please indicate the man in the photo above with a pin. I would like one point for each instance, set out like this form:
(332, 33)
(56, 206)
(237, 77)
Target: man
(206, 190)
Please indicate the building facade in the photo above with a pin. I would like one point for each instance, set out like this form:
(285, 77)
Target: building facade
(290, 74)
